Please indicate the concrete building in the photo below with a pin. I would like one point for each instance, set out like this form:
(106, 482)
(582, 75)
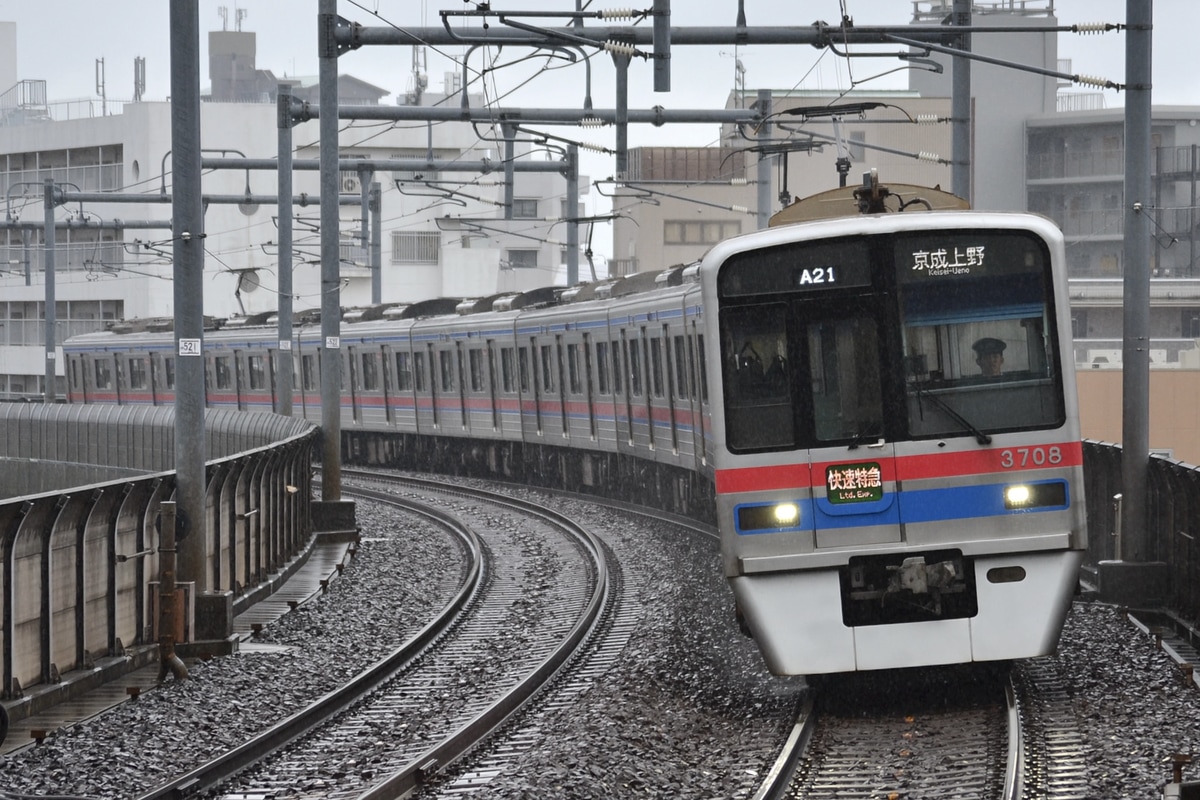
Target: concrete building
(443, 235)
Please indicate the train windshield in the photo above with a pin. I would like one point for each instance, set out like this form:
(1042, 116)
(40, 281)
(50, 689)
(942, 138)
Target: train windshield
(905, 336)
(977, 334)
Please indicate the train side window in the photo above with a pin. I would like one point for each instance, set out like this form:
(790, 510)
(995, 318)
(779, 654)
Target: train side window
(635, 369)
(137, 373)
(602, 367)
(656, 367)
(616, 367)
(507, 368)
(682, 384)
(523, 369)
(404, 376)
(475, 364)
(446, 370)
(573, 372)
(419, 371)
(308, 372)
(222, 374)
(169, 369)
(547, 368)
(703, 368)
(103, 375)
(370, 372)
(258, 373)
(74, 362)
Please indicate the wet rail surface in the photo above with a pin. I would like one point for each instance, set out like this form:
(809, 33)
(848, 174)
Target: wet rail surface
(536, 588)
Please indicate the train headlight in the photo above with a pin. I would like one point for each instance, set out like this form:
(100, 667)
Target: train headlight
(1025, 496)
(786, 514)
(767, 517)
(1017, 496)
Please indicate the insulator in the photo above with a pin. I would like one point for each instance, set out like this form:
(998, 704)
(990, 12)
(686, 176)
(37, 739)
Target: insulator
(925, 155)
(1092, 80)
(1091, 27)
(740, 209)
(738, 182)
(595, 148)
(617, 13)
(592, 122)
(928, 119)
(620, 48)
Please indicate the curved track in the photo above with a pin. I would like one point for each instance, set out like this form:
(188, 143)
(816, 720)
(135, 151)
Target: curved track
(441, 693)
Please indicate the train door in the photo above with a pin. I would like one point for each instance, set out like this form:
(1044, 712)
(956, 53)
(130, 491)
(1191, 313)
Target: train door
(273, 378)
(666, 384)
(240, 382)
(626, 352)
(698, 380)
(493, 399)
(555, 370)
(584, 353)
(355, 381)
(389, 384)
(460, 375)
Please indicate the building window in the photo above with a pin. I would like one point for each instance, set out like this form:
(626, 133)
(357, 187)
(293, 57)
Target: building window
(699, 231)
(1079, 329)
(522, 259)
(525, 208)
(1191, 323)
(416, 247)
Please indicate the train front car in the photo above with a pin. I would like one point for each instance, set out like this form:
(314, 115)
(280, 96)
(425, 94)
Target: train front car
(897, 452)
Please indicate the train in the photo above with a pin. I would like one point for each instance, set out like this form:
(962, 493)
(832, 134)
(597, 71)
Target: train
(878, 411)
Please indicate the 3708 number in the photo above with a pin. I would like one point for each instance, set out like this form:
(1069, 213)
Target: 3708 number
(1030, 456)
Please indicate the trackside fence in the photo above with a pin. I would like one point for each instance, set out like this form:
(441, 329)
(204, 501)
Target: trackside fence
(1172, 524)
(81, 561)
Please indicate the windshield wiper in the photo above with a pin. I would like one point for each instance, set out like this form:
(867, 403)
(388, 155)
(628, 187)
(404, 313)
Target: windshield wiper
(860, 437)
(980, 436)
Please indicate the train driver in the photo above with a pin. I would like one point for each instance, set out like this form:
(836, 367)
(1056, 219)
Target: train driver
(989, 355)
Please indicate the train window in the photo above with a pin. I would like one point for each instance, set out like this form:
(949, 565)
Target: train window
(507, 369)
(757, 378)
(404, 377)
(602, 367)
(635, 369)
(523, 363)
(979, 344)
(370, 372)
(682, 384)
(656, 366)
(137, 373)
(547, 368)
(74, 362)
(573, 371)
(419, 371)
(616, 367)
(475, 363)
(103, 375)
(308, 372)
(703, 368)
(843, 358)
(446, 370)
(256, 367)
(169, 369)
(222, 374)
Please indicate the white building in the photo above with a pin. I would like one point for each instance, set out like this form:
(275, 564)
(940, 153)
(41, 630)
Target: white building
(443, 235)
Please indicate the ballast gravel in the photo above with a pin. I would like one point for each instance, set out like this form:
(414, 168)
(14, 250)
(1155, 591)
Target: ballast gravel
(688, 710)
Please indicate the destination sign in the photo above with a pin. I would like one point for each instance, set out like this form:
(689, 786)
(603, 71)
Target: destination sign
(854, 483)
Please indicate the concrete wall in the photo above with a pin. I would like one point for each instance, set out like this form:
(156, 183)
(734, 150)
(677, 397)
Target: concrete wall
(1174, 409)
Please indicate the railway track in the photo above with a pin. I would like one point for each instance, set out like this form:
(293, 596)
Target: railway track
(417, 711)
(959, 733)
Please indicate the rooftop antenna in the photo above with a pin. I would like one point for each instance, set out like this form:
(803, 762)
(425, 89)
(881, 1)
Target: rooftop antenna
(239, 14)
(223, 11)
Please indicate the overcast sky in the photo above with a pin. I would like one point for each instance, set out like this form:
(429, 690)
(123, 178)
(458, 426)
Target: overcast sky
(60, 41)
